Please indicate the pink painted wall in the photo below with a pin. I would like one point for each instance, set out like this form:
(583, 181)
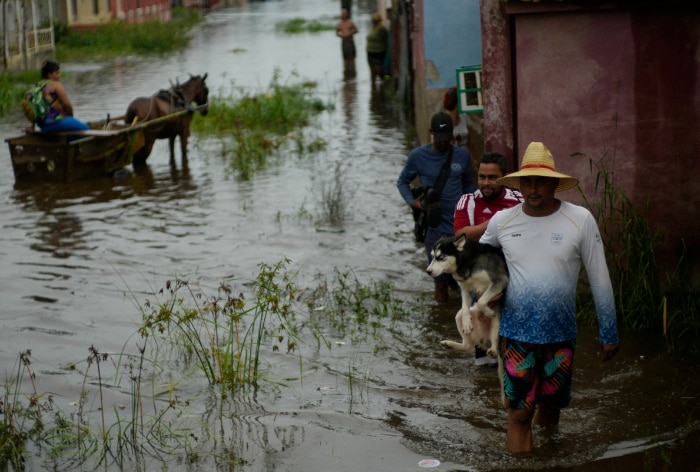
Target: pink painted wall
(621, 86)
(496, 79)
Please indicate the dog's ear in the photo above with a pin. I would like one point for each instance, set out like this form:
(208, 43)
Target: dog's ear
(460, 242)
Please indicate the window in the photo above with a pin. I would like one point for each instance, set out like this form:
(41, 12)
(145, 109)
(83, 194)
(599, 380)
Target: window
(469, 89)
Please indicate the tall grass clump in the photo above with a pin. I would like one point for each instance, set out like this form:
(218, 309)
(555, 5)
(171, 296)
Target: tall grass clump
(333, 202)
(9, 93)
(301, 25)
(120, 38)
(647, 300)
(252, 127)
(629, 246)
(223, 335)
(35, 426)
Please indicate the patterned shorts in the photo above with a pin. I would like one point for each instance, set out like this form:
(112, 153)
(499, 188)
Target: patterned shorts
(537, 373)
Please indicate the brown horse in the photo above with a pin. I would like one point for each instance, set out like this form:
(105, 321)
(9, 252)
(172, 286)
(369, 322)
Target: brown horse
(167, 102)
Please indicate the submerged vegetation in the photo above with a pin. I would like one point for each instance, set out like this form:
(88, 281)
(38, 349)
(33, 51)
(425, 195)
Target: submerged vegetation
(301, 25)
(229, 341)
(252, 128)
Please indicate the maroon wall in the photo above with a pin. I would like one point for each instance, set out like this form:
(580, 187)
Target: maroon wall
(623, 88)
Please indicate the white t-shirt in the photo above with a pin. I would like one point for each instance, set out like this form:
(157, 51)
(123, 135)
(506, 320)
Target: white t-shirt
(461, 132)
(544, 256)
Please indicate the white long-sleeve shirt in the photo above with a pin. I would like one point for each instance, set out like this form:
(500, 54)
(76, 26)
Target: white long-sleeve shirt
(544, 257)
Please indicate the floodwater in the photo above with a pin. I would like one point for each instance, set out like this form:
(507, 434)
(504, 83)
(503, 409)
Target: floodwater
(74, 259)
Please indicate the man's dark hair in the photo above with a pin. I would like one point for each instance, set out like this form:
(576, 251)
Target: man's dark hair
(495, 158)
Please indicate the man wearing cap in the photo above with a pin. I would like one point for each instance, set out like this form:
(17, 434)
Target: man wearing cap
(545, 240)
(425, 163)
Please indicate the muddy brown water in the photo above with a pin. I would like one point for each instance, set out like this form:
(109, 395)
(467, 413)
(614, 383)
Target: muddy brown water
(74, 256)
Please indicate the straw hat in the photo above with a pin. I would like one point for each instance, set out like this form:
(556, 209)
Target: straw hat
(538, 161)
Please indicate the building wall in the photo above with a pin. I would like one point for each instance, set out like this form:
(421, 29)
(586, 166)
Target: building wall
(446, 36)
(620, 87)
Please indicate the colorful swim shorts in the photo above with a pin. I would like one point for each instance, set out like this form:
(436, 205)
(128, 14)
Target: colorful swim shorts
(537, 373)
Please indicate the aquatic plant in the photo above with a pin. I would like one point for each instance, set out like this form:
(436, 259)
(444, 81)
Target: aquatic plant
(224, 337)
(253, 128)
(333, 203)
(301, 25)
(347, 307)
(223, 334)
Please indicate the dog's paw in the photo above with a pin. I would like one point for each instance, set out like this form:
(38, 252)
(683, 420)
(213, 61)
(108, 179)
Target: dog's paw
(492, 353)
(483, 309)
(452, 346)
(467, 328)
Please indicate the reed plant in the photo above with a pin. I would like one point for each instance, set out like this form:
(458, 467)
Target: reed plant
(35, 426)
(333, 202)
(301, 25)
(226, 338)
(223, 335)
(644, 303)
(253, 128)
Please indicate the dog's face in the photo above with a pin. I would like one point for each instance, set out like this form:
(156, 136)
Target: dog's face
(444, 258)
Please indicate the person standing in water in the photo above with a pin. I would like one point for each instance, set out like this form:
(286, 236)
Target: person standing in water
(345, 30)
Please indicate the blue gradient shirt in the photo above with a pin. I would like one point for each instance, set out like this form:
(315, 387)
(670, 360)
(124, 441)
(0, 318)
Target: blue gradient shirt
(544, 257)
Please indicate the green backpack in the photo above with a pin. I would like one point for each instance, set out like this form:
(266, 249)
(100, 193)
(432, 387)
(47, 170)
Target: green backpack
(35, 108)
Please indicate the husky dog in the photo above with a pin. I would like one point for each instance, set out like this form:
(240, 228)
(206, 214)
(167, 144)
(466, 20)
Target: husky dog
(480, 269)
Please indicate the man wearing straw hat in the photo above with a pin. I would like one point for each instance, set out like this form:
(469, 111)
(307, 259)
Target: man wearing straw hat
(545, 240)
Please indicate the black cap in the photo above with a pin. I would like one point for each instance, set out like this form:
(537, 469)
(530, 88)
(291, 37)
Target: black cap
(441, 126)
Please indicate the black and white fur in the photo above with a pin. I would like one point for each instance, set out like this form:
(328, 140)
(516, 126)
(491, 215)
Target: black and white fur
(477, 268)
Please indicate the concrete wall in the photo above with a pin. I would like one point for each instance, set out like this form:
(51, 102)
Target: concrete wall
(446, 36)
(618, 86)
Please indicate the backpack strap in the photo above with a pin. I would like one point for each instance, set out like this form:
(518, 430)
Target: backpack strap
(43, 86)
(444, 172)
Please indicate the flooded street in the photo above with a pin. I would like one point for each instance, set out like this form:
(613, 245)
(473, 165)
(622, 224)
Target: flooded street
(76, 258)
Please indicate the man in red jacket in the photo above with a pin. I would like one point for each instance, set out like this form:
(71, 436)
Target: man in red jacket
(474, 210)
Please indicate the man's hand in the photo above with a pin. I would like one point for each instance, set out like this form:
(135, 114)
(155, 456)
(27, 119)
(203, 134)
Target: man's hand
(608, 351)
(416, 203)
(495, 300)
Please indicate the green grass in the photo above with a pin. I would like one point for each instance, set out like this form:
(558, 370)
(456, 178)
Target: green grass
(647, 300)
(252, 128)
(118, 38)
(300, 25)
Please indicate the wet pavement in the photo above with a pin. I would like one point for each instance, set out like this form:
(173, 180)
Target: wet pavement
(77, 257)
